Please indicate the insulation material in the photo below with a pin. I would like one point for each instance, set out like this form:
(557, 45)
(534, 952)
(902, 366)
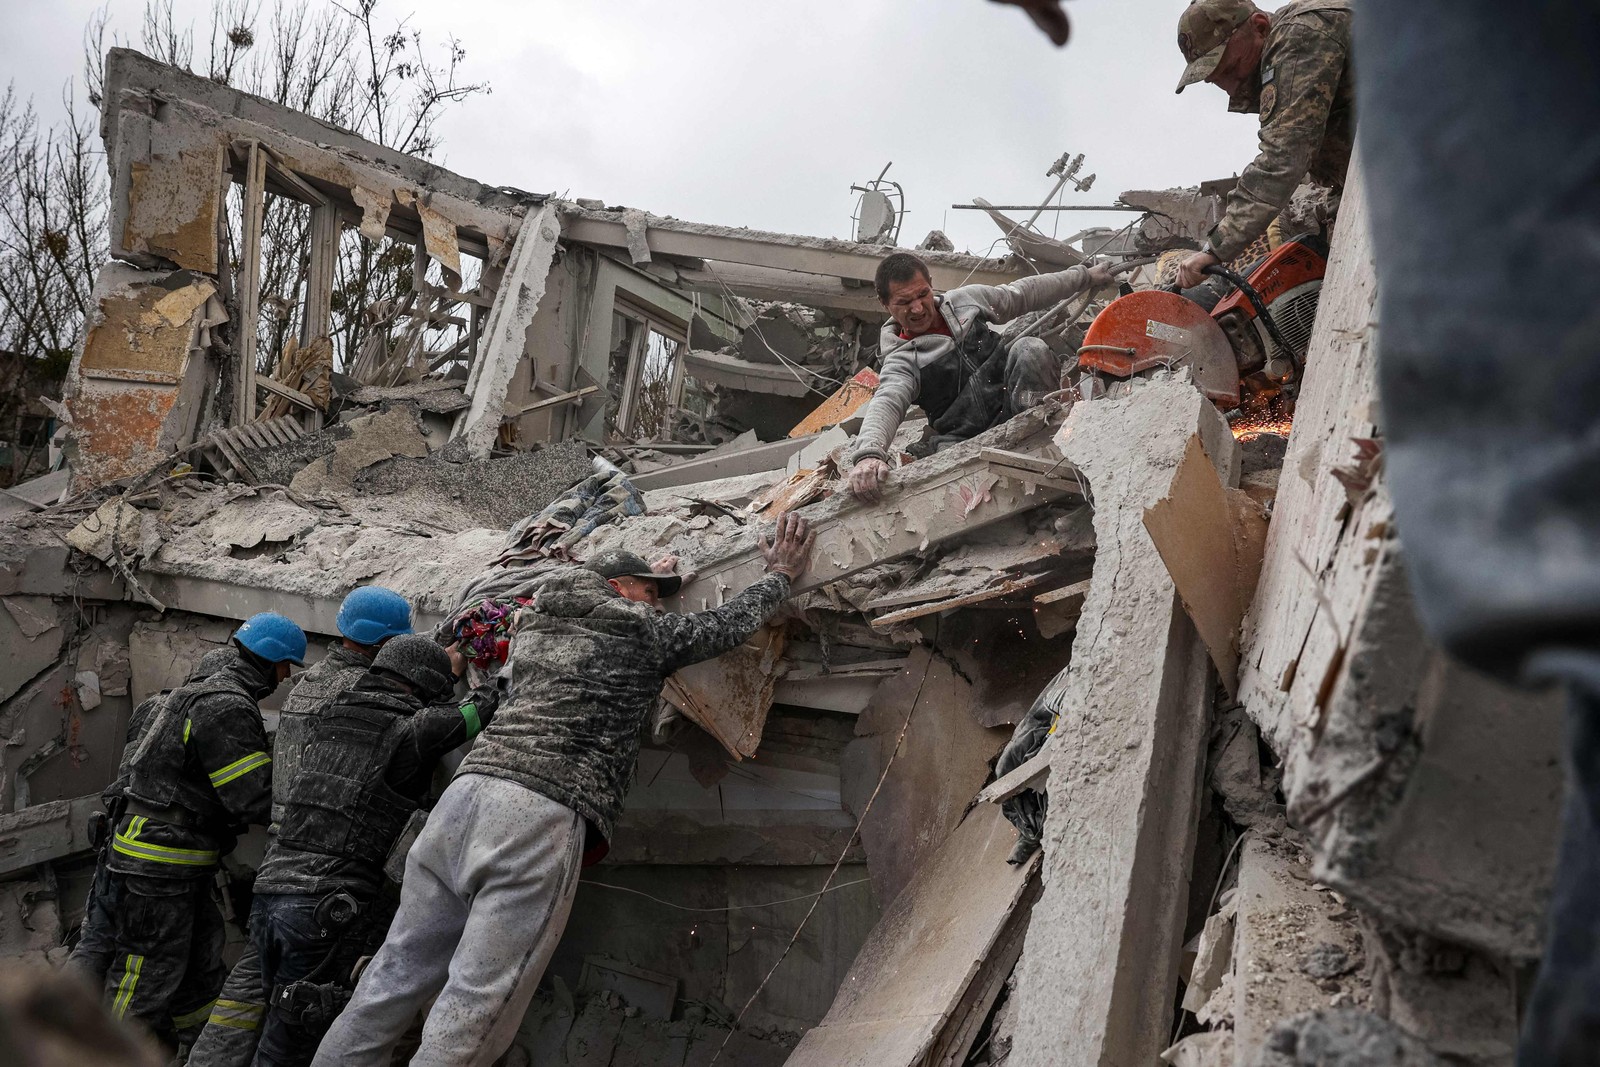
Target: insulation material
(374, 211)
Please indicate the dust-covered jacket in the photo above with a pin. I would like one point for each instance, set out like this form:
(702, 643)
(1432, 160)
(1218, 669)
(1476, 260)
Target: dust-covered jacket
(586, 670)
(338, 670)
(392, 778)
(904, 362)
(1306, 99)
(199, 775)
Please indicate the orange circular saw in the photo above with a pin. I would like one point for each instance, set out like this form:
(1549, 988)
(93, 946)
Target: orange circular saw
(1155, 328)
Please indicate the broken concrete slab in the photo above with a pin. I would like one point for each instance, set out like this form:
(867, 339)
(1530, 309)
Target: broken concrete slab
(949, 494)
(1101, 963)
(922, 956)
(1464, 1005)
(45, 832)
(1343, 1038)
(1296, 949)
(939, 763)
(504, 342)
(373, 438)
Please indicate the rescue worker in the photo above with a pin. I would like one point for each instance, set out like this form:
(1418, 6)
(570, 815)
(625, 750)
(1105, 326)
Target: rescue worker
(198, 776)
(1292, 66)
(368, 617)
(366, 767)
(938, 351)
(490, 881)
(97, 933)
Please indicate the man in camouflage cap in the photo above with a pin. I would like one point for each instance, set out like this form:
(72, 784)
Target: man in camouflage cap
(1292, 66)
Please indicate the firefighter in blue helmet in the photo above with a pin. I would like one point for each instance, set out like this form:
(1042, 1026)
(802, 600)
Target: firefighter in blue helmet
(199, 772)
(368, 619)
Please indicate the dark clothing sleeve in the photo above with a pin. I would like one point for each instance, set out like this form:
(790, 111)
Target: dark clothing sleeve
(1307, 65)
(437, 730)
(704, 635)
(229, 741)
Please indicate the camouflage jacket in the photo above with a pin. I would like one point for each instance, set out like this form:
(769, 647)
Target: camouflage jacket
(1305, 96)
(191, 794)
(338, 670)
(587, 667)
(419, 736)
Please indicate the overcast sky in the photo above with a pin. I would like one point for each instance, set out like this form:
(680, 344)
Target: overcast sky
(762, 114)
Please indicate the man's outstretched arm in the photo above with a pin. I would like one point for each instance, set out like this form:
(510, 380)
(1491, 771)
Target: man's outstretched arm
(1038, 292)
(704, 635)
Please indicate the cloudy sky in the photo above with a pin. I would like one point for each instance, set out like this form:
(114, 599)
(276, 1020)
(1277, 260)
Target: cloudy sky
(762, 114)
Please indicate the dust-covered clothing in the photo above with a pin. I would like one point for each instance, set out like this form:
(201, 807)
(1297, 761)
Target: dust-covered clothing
(335, 672)
(488, 888)
(367, 764)
(97, 937)
(933, 370)
(1305, 96)
(234, 1026)
(587, 667)
(200, 774)
(166, 967)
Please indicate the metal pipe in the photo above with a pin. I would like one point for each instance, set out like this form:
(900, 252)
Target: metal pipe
(1036, 208)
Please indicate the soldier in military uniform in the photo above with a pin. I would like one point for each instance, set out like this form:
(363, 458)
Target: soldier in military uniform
(489, 883)
(199, 774)
(1292, 66)
(368, 617)
(939, 352)
(366, 768)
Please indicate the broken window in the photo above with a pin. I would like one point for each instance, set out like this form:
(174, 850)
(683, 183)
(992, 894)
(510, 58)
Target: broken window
(644, 377)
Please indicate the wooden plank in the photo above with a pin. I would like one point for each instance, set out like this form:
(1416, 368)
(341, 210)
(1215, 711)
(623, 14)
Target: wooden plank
(955, 1041)
(560, 398)
(1076, 590)
(919, 961)
(1033, 774)
(272, 385)
(250, 282)
(1001, 588)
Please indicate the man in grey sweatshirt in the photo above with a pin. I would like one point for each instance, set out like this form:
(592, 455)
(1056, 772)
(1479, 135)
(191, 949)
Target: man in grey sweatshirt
(938, 351)
(490, 881)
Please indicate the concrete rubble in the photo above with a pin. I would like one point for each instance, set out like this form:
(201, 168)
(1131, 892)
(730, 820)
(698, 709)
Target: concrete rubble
(1279, 828)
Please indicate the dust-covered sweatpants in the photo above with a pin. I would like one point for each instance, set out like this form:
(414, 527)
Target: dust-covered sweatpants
(488, 887)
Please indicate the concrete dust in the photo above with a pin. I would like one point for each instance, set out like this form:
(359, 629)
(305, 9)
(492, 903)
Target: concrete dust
(497, 492)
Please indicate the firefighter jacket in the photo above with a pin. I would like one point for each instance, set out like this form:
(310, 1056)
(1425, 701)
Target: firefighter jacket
(199, 774)
(1306, 99)
(586, 669)
(139, 721)
(366, 766)
(930, 370)
(335, 672)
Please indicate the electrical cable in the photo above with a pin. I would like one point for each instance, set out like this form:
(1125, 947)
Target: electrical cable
(867, 808)
(735, 907)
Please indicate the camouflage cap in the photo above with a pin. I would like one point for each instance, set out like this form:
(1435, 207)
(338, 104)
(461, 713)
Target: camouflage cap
(618, 563)
(1203, 32)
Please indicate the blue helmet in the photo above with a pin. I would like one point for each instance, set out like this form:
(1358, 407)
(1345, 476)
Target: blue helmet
(372, 614)
(273, 638)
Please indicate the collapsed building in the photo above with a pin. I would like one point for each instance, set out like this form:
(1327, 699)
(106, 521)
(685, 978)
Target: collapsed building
(1281, 827)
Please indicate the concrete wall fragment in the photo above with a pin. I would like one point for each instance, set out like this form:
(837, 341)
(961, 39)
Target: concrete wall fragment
(138, 353)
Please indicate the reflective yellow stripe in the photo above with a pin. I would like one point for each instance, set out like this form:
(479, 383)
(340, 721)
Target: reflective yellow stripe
(243, 765)
(469, 712)
(130, 979)
(183, 1022)
(237, 1014)
(144, 850)
(187, 724)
